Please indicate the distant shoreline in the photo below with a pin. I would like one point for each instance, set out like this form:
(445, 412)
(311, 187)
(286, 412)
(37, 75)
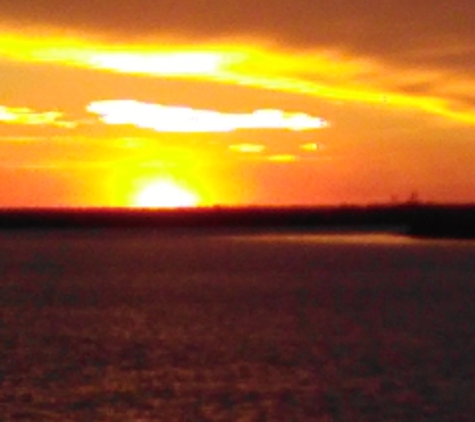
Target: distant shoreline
(421, 220)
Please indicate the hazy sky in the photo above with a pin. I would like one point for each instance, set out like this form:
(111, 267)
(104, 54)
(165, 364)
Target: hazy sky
(118, 103)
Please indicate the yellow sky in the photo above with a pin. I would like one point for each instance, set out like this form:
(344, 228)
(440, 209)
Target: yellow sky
(93, 115)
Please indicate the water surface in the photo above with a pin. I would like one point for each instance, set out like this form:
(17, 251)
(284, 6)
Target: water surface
(192, 325)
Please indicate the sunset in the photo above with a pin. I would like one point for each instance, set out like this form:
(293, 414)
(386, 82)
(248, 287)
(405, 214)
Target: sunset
(385, 91)
(165, 194)
(243, 211)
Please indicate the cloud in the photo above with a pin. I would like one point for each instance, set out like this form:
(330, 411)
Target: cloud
(309, 147)
(184, 119)
(283, 158)
(370, 25)
(26, 116)
(247, 148)
(323, 74)
(397, 53)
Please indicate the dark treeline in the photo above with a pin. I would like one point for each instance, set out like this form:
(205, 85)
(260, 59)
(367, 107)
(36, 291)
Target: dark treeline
(415, 219)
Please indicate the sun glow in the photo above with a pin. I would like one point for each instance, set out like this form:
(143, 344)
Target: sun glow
(165, 194)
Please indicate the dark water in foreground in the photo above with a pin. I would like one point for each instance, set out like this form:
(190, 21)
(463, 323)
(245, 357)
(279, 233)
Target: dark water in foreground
(144, 326)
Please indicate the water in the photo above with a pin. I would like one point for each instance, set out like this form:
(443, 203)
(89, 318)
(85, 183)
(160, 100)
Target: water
(139, 325)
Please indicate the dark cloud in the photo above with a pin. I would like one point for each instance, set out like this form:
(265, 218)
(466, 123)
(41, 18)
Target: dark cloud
(366, 26)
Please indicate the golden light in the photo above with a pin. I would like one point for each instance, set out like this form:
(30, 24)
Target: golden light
(165, 194)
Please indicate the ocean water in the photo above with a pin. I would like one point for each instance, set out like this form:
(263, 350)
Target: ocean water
(144, 325)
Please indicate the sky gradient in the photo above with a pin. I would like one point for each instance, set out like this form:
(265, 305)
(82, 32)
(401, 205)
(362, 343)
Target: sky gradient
(252, 103)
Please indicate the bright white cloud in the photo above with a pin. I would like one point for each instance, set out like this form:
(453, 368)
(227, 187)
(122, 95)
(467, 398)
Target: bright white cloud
(184, 119)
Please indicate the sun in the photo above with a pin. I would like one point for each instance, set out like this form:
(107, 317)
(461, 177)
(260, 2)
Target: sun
(165, 194)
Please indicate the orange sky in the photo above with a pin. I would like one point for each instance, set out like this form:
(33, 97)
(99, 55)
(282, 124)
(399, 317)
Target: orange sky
(258, 102)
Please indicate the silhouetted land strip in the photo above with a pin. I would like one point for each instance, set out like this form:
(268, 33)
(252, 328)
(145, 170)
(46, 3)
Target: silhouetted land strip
(420, 220)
